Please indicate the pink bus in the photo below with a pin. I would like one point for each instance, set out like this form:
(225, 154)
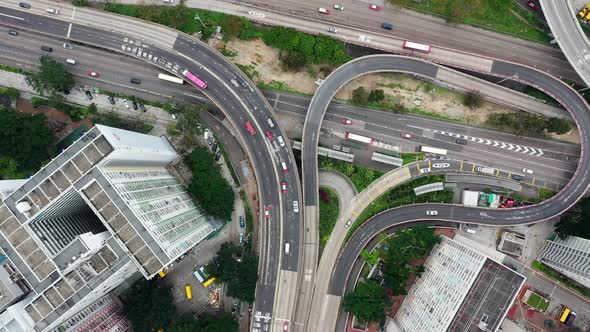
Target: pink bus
(416, 47)
(194, 79)
(250, 128)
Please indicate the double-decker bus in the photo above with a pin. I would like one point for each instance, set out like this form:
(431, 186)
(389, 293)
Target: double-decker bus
(429, 149)
(250, 128)
(359, 138)
(170, 78)
(408, 45)
(194, 79)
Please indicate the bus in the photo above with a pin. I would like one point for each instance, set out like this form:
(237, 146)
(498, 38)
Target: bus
(564, 314)
(250, 128)
(429, 149)
(359, 138)
(194, 79)
(209, 282)
(170, 78)
(408, 45)
(189, 294)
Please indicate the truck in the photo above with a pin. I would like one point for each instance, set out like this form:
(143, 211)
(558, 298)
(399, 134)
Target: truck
(485, 170)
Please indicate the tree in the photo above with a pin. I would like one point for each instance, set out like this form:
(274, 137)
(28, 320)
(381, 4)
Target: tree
(367, 302)
(9, 169)
(576, 222)
(371, 258)
(206, 323)
(92, 109)
(292, 60)
(376, 96)
(52, 76)
(359, 96)
(25, 138)
(80, 3)
(148, 307)
(472, 99)
(558, 126)
(240, 277)
(208, 186)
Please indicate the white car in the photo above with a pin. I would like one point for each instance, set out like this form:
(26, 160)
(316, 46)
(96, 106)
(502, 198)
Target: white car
(68, 46)
(257, 14)
(431, 213)
(441, 165)
(332, 30)
(348, 223)
(527, 170)
(425, 170)
(125, 103)
(296, 206)
(339, 7)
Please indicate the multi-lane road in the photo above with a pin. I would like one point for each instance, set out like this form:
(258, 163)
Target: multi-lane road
(175, 53)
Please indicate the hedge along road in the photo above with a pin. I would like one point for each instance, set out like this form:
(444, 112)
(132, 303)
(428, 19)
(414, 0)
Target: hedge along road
(574, 190)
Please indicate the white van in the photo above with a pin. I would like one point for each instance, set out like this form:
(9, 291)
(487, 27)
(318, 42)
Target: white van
(71, 61)
(270, 123)
(281, 141)
(52, 11)
(287, 248)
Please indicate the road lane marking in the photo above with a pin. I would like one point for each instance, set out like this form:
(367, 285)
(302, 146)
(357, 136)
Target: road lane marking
(69, 30)
(461, 168)
(15, 17)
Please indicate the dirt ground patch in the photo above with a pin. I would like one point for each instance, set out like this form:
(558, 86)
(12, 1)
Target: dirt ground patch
(421, 97)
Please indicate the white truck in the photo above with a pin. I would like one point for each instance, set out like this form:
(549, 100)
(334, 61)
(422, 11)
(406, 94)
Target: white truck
(485, 170)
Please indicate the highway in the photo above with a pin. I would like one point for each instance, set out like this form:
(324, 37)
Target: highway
(575, 189)
(175, 52)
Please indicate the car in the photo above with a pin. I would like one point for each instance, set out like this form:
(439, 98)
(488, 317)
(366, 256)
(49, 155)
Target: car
(126, 103)
(242, 222)
(234, 308)
(93, 73)
(295, 206)
(407, 136)
(284, 187)
(281, 141)
(461, 141)
(348, 223)
(324, 11)
(111, 100)
(425, 170)
(218, 155)
(134, 104)
(339, 7)
(532, 5)
(346, 121)
(142, 107)
(431, 213)
(13, 32)
(135, 81)
(527, 170)
(441, 165)
(260, 15)
(517, 177)
(374, 7)
(214, 147)
(89, 95)
(68, 46)
(332, 30)
(28, 80)
(284, 166)
(267, 212)
(241, 237)
(286, 327)
(24, 5)
(66, 92)
(210, 140)
(269, 135)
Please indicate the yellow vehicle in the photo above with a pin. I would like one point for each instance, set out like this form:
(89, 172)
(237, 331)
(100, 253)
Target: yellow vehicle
(208, 282)
(564, 314)
(162, 274)
(582, 13)
(189, 294)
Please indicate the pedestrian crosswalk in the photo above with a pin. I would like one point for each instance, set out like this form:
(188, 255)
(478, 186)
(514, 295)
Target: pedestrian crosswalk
(501, 145)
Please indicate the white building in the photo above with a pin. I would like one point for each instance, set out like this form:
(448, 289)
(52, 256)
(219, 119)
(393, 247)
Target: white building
(451, 294)
(103, 210)
(569, 256)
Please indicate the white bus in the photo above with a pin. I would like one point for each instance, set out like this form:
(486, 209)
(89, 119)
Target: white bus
(429, 149)
(416, 47)
(359, 138)
(170, 78)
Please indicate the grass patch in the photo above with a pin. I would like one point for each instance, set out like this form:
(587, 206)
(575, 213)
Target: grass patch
(360, 176)
(501, 15)
(112, 119)
(403, 195)
(230, 165)
(546, 270)
(13, 70)
(536, 93)
(412, 157)
(329, 209)
(248, 211)
(545, 193)
(538, 302)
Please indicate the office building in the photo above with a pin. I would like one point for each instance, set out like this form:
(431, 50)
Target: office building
(569, 256)
(104, 210)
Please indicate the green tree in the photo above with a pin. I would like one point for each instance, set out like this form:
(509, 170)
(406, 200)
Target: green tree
(376, 96)
(148, 307)
(240, 277)
(472, 99)
(367, 302)
(359, 96)
(576, 222)
(9, 169)
(80, 3)
(25, 138)
(208, 186)
(52, 77)
(292, 61)
(206, 323)
(92, 109)
(558, 126)
(371, 258)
